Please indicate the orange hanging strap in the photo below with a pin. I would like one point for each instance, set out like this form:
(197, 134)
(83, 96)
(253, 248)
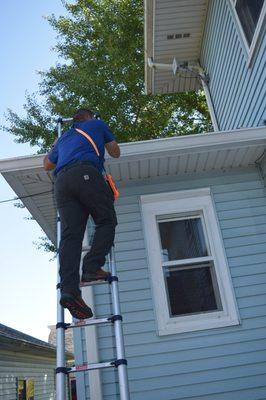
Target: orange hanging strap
(112, 185)
(89, 139)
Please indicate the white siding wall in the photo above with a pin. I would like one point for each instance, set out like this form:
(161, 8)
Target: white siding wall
(41, 370)
(218, 364)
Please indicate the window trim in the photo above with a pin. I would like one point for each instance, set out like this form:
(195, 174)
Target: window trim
(173, 203)
(250, 49)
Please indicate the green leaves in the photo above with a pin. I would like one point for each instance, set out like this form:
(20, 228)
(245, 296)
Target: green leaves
(101, 47)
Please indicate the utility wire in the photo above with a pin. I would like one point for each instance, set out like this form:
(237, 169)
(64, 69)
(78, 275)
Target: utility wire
(25, 197)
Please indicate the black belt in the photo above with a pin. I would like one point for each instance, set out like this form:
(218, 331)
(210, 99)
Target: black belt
(69, 166)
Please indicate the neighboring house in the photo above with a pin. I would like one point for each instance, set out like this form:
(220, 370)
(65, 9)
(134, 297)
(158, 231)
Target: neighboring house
(190, 243)
(27, 366)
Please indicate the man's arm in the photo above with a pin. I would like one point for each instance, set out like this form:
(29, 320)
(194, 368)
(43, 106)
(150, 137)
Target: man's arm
(53, 155)
(47, 164)
(113, 149)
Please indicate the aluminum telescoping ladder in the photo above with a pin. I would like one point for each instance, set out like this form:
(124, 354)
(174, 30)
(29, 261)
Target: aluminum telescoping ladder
(115, 319)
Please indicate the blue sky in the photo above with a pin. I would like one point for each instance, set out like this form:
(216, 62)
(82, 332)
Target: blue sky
(28, 278)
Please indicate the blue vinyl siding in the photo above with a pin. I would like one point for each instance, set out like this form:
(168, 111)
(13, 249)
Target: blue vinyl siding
(238, 92)
(217, 364)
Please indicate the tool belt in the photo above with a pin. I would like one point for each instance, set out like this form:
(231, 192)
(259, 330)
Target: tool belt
(108, 177)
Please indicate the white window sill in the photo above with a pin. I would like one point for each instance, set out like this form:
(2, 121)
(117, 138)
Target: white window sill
(190, 324)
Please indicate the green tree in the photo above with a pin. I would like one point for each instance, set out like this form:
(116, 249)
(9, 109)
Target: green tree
(100, 45)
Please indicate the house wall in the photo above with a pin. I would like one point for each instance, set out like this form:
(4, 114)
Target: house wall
(216, 364)
(23, 366)
(237, 91)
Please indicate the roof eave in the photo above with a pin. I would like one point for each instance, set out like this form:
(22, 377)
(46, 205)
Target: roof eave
(178, 83)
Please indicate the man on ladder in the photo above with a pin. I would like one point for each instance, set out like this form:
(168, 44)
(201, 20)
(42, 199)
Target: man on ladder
(80, 191)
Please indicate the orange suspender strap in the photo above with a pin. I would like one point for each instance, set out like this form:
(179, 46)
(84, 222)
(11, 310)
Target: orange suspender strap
(108, 177)
(89, 139)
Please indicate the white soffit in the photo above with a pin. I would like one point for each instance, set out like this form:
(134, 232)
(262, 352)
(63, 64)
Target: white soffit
(139, 160)
(173, 29)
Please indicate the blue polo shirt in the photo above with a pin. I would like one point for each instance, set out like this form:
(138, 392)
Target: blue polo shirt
(72, 146)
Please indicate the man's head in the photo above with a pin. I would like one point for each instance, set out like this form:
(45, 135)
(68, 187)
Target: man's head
(83, 114)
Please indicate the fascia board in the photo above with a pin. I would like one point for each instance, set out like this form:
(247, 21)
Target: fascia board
(159, 147)
(21, 163)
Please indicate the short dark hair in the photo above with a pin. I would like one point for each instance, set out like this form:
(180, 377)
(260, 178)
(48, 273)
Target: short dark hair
(82, 114)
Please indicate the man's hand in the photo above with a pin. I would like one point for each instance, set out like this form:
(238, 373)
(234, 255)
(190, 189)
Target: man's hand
(113, 149)
(47, 164)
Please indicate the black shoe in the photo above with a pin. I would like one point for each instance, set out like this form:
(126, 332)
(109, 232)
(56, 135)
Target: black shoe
(99, 275)
(76, 306)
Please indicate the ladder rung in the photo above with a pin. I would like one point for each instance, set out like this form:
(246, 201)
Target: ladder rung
(89, 367)
(86, 248)
(90, 321)
(93, 283)
(66, 120)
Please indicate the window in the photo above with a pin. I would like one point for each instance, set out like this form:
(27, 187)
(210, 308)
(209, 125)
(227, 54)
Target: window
(250, 16)
(21, 389)
(191, 282)
(25, 389)
(248, 12)
(72, 388)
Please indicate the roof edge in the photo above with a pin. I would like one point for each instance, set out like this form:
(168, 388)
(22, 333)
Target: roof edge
(15, 344)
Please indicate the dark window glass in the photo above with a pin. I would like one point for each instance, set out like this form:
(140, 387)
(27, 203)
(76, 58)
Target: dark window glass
(182, 239)
(248, 12)
(192, 289)
(73, 389)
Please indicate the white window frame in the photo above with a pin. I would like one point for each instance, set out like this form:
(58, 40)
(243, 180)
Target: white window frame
(185, 203)
(250, 49)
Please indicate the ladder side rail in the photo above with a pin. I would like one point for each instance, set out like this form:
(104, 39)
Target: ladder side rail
(119, 339)
(60, 332)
